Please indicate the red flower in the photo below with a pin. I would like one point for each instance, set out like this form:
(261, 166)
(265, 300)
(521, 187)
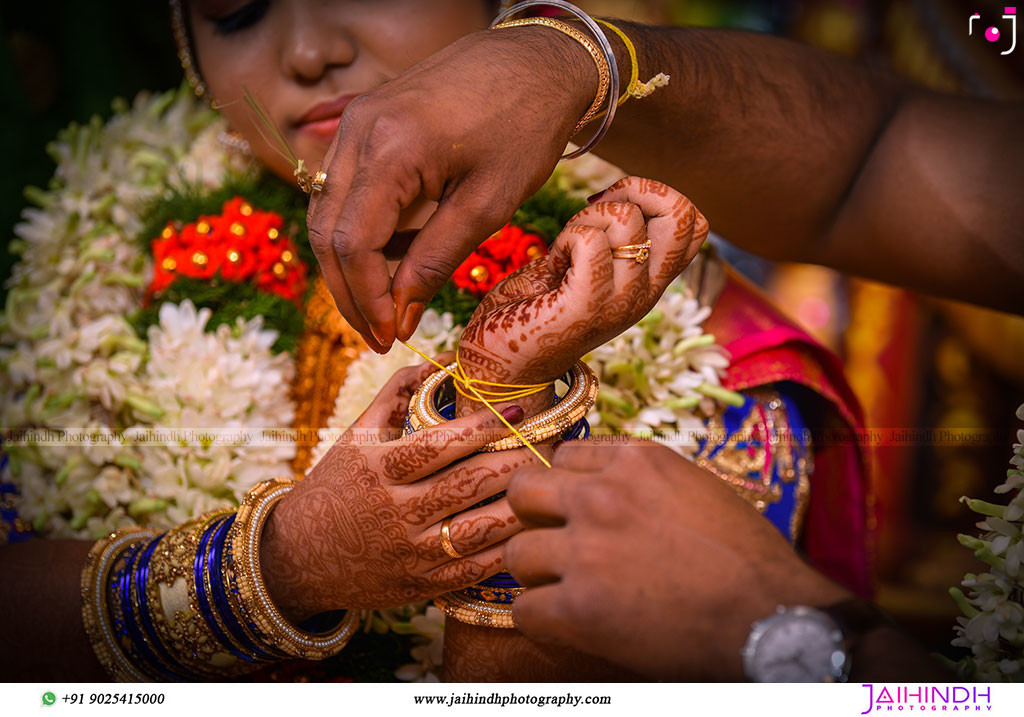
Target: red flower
(240, 244)
(478, 274)
(500, 245)
(530, 248)
(502, 253)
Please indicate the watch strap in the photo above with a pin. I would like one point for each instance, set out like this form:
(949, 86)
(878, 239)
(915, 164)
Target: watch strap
(857, 617)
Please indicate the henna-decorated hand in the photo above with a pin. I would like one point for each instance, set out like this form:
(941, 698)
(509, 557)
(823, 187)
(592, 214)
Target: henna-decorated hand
(363, 529)
(532, 326)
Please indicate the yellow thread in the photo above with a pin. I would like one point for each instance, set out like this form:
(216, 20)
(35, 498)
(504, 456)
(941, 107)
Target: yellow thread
(635, 88)
(479, 397)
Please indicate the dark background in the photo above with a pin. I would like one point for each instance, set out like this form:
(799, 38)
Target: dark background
(65, 61)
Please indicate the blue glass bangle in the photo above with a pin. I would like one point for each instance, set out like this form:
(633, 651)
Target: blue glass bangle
(134, 635)
(219, 557)
(201, 566)
(141, 578)
(500, 580)
(114, 591)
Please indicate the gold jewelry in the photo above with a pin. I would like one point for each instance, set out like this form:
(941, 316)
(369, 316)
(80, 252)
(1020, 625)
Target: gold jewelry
(603, 72)
(459, 607)
(446, 540)
(243, 570)
(635, 89)
(179, 27)
(463, 382)
(173, 601)
(639, 253)
(96, 613)
(317, 183)
(554, 421)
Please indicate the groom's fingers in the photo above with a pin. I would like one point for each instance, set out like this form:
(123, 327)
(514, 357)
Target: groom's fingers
(472, 211)
(325, 208)
(537, 557)
(541, 613)
(537, 495)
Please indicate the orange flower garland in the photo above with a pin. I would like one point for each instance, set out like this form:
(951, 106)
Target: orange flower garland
(241, 244)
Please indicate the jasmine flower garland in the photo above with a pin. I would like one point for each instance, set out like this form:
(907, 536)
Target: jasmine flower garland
(72, 360)
(992, 625)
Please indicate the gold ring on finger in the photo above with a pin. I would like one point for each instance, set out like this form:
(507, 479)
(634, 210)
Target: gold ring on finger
(318, 181)
(639, 253)
(446, 540)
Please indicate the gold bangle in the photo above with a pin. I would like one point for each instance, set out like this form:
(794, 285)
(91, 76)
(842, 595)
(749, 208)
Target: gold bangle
(554, 421)
(458, 606)
(243, 554)
(96, 610)
(603, 73)
(172, 597)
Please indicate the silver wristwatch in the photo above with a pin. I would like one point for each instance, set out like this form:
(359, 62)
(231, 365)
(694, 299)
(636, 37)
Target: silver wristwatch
(796, 644)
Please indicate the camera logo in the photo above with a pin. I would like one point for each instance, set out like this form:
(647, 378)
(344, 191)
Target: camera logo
(993, 33)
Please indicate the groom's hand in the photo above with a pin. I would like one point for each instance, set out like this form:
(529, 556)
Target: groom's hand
(477, 127)
(638, 556)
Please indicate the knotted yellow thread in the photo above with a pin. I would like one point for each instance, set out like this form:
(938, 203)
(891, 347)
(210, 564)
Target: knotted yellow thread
(635, 88)
(462, 381)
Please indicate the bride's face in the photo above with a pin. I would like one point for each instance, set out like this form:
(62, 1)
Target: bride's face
(304, 60)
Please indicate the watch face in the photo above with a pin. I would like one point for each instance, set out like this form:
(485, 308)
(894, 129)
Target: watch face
(796, 647)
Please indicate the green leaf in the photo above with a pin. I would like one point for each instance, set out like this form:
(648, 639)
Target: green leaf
(228, 301)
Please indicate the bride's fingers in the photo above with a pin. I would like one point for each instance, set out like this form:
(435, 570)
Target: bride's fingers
(386, 414)
(443, 358)
(461, 573)
(469, 532)
(427, 451)
(462, 485)
(675, 227)
(582, 256)
(625, 226)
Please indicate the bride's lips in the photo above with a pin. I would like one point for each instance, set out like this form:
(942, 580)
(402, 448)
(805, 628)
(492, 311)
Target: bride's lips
(322, 120)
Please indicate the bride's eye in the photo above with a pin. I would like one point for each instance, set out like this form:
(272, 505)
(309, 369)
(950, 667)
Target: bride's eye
(245, 16)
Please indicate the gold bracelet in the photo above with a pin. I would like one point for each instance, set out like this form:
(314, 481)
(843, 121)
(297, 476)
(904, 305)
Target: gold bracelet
(481, 613)
(96, 610)
(603, 73)
(554, 421)
(242, 568)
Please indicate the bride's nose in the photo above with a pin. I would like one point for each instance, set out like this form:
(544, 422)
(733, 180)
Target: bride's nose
(311, 46)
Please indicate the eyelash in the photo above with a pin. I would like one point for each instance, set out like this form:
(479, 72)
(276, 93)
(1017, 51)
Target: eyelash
(242, 18)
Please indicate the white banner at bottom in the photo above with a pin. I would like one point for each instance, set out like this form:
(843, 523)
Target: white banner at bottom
(630, 700)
